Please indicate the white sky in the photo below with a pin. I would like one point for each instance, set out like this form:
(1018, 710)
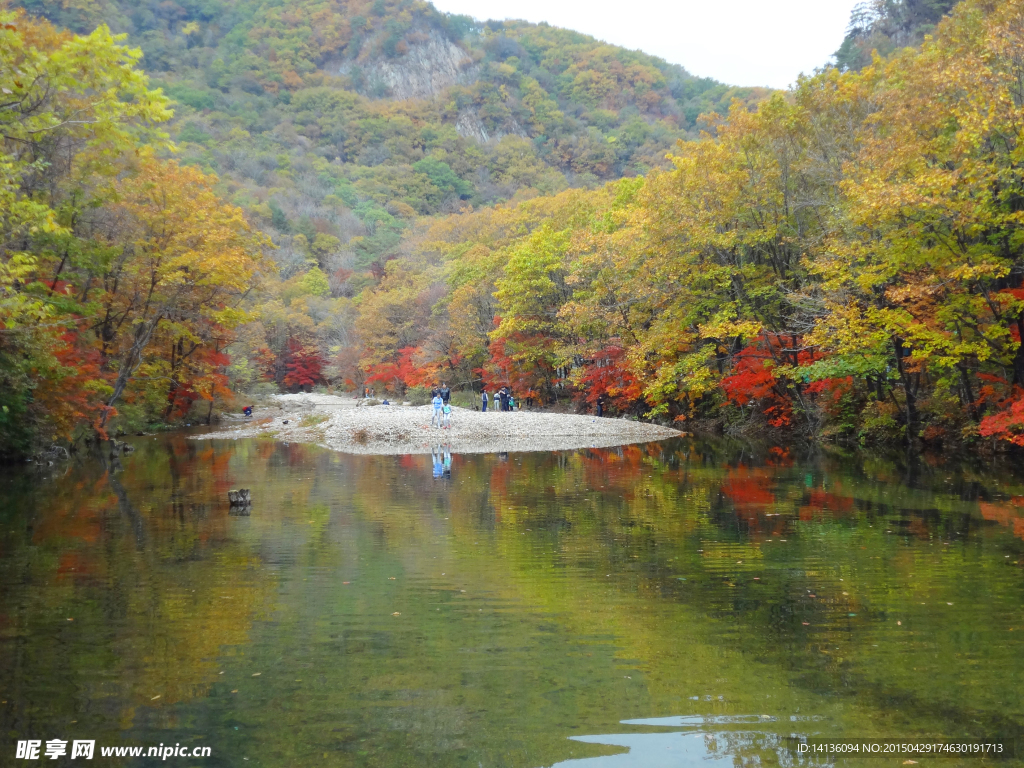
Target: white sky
(740, 42)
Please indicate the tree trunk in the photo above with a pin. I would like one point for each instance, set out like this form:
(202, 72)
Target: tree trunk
(972, 409)
(143, 333)
(1018, 359)
(909, 394)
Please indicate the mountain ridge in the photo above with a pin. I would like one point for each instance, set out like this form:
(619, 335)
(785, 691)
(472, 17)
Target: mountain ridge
(349, 118)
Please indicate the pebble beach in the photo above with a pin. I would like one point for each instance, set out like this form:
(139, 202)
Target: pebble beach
(351, 426)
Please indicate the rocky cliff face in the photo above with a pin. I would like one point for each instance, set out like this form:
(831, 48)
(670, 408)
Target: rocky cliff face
(469, 125)
(423, 72)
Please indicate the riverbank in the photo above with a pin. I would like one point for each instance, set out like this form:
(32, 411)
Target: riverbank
(347, 425)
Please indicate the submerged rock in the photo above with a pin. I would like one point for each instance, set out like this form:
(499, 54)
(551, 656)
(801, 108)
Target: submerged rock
(239, 498)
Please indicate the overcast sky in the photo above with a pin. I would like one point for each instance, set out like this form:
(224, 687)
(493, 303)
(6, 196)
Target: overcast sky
(741, 42)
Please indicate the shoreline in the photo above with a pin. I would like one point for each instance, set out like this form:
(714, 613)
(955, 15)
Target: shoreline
(346, 425)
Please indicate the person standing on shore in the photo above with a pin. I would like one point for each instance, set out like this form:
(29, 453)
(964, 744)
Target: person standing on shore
(600, 406)
(445, 393)
(437, 403)
(483, 401)
(446, 411)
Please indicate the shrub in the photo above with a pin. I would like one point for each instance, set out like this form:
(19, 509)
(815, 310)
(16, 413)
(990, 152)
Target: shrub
(469, 400)
(417, 395)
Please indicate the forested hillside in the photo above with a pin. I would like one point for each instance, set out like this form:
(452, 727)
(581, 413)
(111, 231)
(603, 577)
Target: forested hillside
(349, 119)
(843, 261)
(514, 204)
(884, 26)
(336, 127)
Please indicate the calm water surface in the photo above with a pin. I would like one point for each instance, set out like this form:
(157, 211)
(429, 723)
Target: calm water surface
(662, 605)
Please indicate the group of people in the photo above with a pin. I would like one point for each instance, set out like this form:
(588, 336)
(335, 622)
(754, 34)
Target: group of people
(440, 399)
(503, 400)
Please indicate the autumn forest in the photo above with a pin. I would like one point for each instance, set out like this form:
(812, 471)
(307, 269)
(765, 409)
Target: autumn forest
(210, 200)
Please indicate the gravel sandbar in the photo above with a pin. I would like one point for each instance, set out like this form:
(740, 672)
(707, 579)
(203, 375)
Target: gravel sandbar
(344, 424)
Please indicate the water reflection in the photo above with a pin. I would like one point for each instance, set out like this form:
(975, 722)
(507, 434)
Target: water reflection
(441, 457)
(508, 610)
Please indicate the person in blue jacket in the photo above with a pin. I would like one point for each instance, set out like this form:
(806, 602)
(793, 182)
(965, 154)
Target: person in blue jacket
(483, 401)
(438, 403)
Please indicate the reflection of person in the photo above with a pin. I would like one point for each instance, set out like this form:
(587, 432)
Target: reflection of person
(441, 457)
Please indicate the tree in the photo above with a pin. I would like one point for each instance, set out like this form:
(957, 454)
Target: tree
(185, 260)
(72, 108)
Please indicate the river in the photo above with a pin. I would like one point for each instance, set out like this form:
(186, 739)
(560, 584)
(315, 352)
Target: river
(666, 604)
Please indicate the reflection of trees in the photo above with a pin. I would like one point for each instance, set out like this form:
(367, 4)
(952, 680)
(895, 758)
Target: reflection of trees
(650, 514)
(124, 595)
(125, 505)
(575, 605)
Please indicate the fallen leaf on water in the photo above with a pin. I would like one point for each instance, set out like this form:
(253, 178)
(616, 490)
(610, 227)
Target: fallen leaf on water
(396, 613)
(346, 582)
(910, 762)
(391, 578)
(235, 691)
(256, 674)
(70, 619)
(806, 623)
(948, 603)
(155, 697)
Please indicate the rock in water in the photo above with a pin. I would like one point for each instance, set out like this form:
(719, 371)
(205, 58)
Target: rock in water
(240, 497)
